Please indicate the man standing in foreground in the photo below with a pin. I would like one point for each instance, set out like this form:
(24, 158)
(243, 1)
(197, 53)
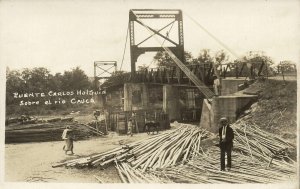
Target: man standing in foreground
(226, 142)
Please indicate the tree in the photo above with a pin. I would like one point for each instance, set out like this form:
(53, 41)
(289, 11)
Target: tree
(55, 82)
(75, 79)
(256, 58)
(221, 57)
(204, 56)
(117, 78)
(163, 59)
(36, 79)
(14, 83)
(189, 59)
(287, 66)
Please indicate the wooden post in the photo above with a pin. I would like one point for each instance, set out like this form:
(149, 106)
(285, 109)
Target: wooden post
(117, 122)
(282, 73)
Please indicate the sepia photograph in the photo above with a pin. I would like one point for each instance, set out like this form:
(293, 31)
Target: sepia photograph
(161, 93)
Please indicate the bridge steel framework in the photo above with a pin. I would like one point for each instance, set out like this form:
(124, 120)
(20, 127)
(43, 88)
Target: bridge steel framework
(103, 70)
(137, 15)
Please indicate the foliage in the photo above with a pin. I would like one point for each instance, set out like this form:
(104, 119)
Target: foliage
(40, 80)
(75, 79)
(162, 59)
(256, 58)
(221, 57)
(287, 66)
(205, 56)
(117, 78)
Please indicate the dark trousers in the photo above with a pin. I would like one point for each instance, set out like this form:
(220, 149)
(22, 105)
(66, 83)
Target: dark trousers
(225, 148)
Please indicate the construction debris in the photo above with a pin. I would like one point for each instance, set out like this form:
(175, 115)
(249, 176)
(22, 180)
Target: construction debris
(255, 160)
(177, 156)
(44, 132)
(159, 151)
(25, 119)
(204, 168)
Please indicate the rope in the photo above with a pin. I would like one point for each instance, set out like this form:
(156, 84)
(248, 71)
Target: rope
(125, 47)
(214, 37)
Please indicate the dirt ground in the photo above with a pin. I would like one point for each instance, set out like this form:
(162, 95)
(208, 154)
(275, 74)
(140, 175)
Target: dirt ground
(31, 162)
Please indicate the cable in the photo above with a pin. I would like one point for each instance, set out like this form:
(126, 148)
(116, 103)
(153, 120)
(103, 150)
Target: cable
(211, 35)
(125, 47)
(199, 84)
(162, 44)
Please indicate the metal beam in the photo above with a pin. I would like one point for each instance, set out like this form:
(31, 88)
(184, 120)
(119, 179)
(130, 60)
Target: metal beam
(137, 15)
(107, 67)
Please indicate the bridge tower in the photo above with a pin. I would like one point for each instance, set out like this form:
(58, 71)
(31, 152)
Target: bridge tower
(102, 71)
(138, 16)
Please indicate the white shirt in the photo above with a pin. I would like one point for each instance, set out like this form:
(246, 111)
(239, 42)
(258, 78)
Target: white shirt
(217, 82)
(224, 132)
(64, 135)
(101, 117)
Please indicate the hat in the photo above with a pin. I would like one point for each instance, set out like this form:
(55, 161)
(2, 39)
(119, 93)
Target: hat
(223, 119)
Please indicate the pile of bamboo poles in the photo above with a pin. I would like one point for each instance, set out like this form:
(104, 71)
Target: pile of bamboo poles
(254, 161)
(160, 151)
(256, 143)
(129, 174)
(177, 156)
(204, 168)
(167, 150)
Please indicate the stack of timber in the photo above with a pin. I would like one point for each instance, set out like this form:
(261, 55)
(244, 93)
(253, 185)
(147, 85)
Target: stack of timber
(258, 157)
(205, 168)
(177, 156)
(44, 132)
(33, 120)
(163, 150)
(100, 127)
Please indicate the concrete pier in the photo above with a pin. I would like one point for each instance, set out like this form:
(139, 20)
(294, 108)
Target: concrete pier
(135, 96)
(230, 85)
(171, 101)
(231, 104)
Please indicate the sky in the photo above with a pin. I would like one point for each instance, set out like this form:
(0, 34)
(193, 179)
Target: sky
(63, 34)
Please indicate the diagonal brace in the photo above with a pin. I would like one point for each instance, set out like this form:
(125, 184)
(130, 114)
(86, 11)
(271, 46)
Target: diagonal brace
(105, 70)
(154, 33)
